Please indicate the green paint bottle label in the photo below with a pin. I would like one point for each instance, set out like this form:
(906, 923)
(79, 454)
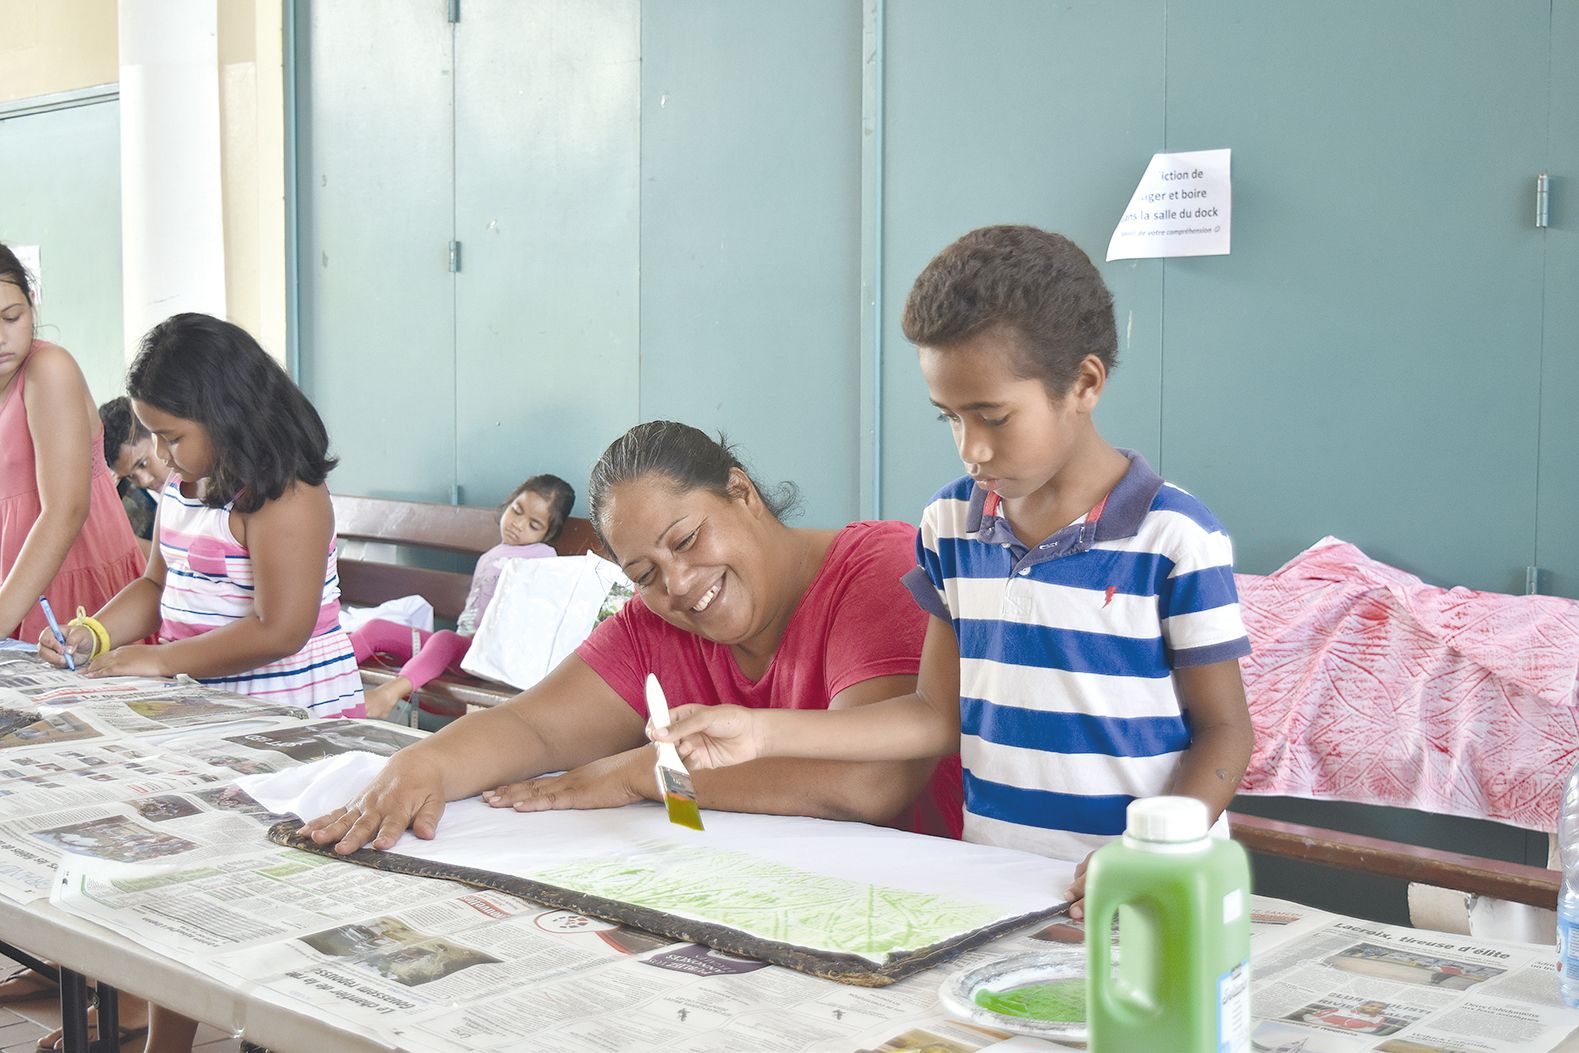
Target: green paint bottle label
(1233, 1010)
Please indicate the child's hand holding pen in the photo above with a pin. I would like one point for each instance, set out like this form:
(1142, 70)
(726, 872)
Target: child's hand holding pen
(79, 641)
(54, 633)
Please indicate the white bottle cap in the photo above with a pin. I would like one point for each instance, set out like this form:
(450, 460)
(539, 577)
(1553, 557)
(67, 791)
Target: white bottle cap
(1170, 820)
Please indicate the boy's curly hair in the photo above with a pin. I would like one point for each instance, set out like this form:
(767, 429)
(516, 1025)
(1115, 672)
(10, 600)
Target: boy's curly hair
(1037, 285)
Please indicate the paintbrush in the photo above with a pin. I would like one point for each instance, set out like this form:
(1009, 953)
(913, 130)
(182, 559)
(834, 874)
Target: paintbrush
(674, 782)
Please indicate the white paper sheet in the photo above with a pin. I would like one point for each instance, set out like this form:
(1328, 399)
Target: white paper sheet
(1182, 207)
(769, 876)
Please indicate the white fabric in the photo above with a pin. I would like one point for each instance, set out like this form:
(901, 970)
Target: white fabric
(402, 610)
(776, 867)
(541, 611)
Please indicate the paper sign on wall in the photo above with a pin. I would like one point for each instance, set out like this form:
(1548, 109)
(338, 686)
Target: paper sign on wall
(28, 257)
(1182, 207)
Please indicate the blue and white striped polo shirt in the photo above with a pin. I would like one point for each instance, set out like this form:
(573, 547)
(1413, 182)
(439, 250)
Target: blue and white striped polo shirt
(1067, 648)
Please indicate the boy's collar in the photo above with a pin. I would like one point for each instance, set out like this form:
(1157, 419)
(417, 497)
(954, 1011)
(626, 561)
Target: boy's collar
(1126, 505)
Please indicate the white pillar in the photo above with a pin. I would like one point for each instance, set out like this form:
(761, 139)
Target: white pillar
(172, 220)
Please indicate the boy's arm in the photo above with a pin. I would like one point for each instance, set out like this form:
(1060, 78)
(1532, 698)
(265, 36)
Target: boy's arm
(923, 724)
(1221, 737)
(1221, 741)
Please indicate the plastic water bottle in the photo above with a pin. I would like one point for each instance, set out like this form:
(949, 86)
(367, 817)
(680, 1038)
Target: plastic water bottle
(1568, 898)
(1183, 902)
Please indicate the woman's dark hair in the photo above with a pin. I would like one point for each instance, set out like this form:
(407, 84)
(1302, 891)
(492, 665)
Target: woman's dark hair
(11, 270)
(687, 456)
(264, 433)
(560, 495)
(121, 427)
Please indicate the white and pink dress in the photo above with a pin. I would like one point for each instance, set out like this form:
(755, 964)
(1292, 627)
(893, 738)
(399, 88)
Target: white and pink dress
(209, 585)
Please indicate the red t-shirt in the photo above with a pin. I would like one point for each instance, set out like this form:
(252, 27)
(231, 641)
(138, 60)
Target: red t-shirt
(855, 622)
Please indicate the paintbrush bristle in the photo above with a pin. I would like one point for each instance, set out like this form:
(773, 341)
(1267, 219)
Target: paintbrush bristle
(679, 796)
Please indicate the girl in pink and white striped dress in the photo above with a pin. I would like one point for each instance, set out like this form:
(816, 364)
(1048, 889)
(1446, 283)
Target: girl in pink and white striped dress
(241, 587)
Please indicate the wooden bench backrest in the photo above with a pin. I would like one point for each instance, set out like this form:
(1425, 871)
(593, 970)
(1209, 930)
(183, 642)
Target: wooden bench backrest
(421, 525)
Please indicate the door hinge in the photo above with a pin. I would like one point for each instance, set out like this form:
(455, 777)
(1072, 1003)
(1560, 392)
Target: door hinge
(455, 10)
(455, 257)
(1532, 581)
(1543, 195)
(455, 494)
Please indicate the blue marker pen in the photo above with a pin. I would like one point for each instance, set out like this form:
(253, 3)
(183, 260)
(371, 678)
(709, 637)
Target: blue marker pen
(60, 637)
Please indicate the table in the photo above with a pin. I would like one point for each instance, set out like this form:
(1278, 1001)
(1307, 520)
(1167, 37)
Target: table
(345, 960)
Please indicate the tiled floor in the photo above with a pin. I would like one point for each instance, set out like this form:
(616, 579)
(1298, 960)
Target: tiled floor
(22, 1024)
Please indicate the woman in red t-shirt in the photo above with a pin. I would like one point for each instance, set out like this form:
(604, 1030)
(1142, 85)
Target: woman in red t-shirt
(733, 606)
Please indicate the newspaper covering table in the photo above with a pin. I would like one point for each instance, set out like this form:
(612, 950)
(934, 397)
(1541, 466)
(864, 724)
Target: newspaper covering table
(173, 858)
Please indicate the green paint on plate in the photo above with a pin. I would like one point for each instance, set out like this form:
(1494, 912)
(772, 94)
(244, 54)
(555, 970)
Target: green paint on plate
(1061, 1001)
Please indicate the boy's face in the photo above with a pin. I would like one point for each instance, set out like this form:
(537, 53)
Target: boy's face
(1014, 437)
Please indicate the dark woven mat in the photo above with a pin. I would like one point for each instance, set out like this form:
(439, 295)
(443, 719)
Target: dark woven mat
(843, 968)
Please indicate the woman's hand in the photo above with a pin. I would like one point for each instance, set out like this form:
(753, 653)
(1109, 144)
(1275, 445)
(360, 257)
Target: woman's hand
(712, 736)
(408, 793)
(79, 639)
(607, 783)
(131, 660)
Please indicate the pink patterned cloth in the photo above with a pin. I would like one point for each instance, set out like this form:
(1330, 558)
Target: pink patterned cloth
(1368, 685)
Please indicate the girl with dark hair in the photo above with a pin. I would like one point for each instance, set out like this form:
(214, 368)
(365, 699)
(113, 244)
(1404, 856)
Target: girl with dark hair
(733, 606)
(62, 532)
(241, 587)
(533, 515)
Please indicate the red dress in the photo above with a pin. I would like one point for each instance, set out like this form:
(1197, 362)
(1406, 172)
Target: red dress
(103, 559)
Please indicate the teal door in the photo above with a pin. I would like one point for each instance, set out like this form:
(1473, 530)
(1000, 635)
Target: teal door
(1557, 522)
(1367, 361)
(1043, 114)
(376, 299)
(546, 153)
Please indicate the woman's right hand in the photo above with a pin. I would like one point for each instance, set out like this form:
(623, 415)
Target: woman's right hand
(408, 793)
(79, 638)
(712, 736)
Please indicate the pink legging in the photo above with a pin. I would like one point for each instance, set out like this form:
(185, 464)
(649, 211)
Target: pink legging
(440, 651)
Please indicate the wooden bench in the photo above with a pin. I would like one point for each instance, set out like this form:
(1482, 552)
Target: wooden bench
(1479, 875)
(416, 526)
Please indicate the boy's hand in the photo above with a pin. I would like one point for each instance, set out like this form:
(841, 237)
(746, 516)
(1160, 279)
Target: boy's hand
(79, 638)
(712, 736)
(1077, 891)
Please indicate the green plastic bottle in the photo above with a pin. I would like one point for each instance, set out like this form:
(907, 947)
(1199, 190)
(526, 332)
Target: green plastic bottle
(1182, 984)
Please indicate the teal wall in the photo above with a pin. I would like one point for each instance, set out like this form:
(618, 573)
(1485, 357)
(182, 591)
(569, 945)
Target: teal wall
(712, 210)
(61, 190)
(746, 191)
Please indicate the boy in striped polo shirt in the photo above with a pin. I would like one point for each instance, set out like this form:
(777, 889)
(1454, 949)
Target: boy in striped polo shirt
(1085, 633)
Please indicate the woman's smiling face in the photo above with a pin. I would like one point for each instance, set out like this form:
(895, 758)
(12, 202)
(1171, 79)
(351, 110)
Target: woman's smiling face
(694, 556)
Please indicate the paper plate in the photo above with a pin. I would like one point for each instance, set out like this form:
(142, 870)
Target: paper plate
(1055, 1011)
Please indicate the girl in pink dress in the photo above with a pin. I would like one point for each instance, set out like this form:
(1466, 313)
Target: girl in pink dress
(63, 533)
(533, 515)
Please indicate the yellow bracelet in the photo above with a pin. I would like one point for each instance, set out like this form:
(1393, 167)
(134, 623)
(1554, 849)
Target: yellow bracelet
(101, 635)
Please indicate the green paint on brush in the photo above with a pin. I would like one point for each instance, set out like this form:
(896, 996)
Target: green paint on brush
(683, 812)
(1059, 1001)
